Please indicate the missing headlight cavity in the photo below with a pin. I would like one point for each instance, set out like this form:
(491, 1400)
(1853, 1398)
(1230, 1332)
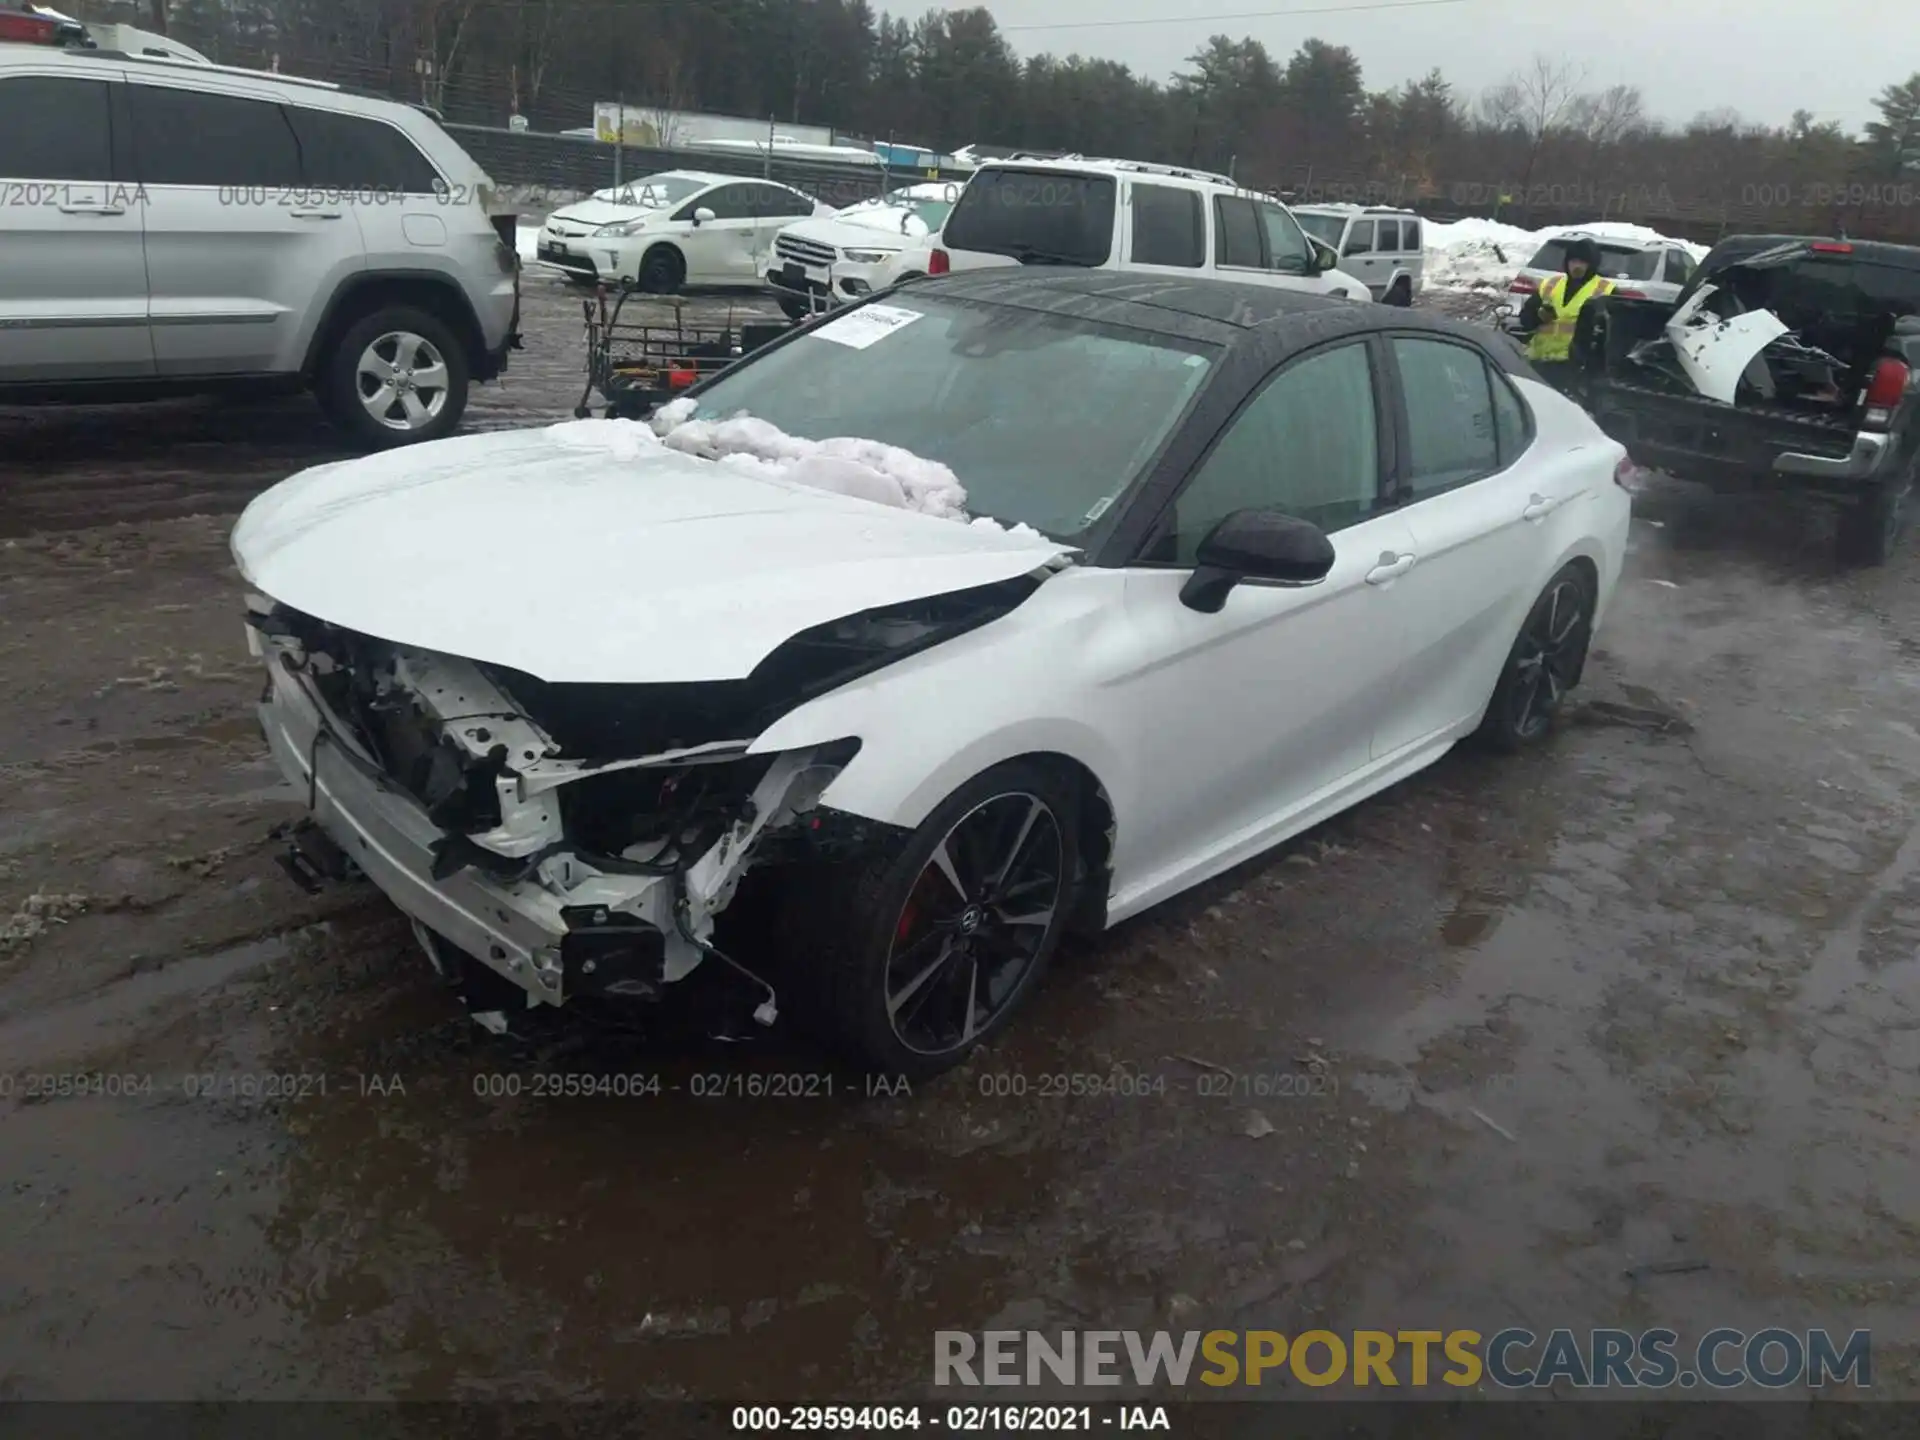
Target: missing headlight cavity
(612, 722)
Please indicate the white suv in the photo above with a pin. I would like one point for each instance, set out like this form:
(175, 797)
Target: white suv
(1379, 246)
(1128, 215)
(172, 228)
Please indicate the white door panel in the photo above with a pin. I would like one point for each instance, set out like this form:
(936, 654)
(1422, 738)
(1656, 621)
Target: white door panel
(1465, 597)
(1238, 718)
(73, 279)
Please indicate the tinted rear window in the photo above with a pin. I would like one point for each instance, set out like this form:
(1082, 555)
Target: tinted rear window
(346, 152)
(1616, 262)
(1046, 213)
(188, 137)
(1168, 227)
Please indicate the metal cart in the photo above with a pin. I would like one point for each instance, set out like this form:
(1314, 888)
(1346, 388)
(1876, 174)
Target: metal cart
(639, 361)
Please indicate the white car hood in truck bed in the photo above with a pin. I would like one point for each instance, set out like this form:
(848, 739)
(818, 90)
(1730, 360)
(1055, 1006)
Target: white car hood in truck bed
(587, 552)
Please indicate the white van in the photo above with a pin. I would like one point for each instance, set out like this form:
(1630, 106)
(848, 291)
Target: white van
(1127, 215)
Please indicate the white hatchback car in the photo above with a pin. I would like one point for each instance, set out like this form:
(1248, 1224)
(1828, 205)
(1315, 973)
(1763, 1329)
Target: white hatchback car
(1127, 215)
(1117, 587)
(680, 227)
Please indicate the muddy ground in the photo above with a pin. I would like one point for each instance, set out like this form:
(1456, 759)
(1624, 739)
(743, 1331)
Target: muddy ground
(1476, 1054)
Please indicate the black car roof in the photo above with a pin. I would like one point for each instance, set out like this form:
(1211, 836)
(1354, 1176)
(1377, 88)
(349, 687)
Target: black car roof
(1219, 312)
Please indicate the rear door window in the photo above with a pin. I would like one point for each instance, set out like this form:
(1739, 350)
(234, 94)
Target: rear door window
(779, 200)
(1387, 237)
(192, 137)
(1236, 227)
(1048, 215)
(1169, 227)
(1452, 425)
(54, 129)
(728, 202)
(348, 152)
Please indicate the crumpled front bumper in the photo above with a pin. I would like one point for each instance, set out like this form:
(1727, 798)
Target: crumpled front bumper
(515, 929)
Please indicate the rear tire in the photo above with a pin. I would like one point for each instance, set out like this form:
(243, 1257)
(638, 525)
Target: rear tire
(662, 271)
(1401, 292)
(915, 972)
(1870, 529)
(406, 357)
(1545, 663)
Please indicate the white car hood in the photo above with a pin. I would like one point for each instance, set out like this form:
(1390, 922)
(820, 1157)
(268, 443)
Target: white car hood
(880, 232)
(574, 557)
(1715, 353)
(602, 212)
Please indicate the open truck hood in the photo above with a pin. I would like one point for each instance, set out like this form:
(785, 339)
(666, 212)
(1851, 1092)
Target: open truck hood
(588, 552)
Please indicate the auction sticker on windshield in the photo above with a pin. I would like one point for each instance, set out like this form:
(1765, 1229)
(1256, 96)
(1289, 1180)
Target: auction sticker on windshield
(870, 323)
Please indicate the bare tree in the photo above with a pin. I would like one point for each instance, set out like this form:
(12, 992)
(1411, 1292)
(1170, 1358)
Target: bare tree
(1535, 102)
(442, 27)
(536, 25)
(158, 9)
(1608, 117)
(670, 94)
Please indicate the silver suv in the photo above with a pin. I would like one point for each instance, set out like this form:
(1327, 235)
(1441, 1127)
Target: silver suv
(168, 228)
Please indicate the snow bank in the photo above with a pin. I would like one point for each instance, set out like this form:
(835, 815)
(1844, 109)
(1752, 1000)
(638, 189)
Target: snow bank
(1475, 254)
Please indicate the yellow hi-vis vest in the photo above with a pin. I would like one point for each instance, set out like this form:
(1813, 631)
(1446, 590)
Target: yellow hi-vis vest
(1554, 339)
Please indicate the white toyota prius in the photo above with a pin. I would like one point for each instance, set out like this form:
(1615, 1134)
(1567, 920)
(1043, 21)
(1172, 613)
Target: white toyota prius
(1015, 603)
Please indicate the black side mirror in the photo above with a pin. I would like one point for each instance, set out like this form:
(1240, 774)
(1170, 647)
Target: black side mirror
(1324, 258)
(1256, 545)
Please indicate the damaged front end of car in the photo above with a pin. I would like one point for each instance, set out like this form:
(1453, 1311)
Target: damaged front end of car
(574, 839)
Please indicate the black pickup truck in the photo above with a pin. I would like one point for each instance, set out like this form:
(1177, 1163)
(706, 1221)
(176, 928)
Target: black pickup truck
(1832, 411)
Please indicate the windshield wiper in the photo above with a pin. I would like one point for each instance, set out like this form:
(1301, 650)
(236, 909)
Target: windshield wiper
(1027, 255)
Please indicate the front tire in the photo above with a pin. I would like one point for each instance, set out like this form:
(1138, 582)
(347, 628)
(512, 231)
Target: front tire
(396, 377)
(795, 309)
(931, 948)
(1545, 663)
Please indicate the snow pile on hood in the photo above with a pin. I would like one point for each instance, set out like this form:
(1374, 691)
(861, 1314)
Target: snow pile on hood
(865, 469)
(1475, 254)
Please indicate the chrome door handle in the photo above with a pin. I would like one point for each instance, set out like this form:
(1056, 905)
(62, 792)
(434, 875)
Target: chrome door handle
(93, 209)
(1539, 507)
(1391, 567)
(315, 214)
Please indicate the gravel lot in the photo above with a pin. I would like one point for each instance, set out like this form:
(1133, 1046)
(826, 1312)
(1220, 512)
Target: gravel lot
(1497, 1039)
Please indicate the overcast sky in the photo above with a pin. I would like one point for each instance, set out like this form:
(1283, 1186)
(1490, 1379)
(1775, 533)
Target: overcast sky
(1764, 58)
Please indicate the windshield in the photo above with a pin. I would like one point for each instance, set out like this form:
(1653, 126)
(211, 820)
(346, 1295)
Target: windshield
(1046, 420)
(1038, 215)
(1327, 229)
(653, 192)
(1617, 262)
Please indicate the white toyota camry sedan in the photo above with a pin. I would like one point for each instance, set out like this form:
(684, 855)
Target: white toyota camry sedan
(1011, 604)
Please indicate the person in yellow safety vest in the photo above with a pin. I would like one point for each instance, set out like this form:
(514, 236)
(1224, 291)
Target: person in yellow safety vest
(1557, 317)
